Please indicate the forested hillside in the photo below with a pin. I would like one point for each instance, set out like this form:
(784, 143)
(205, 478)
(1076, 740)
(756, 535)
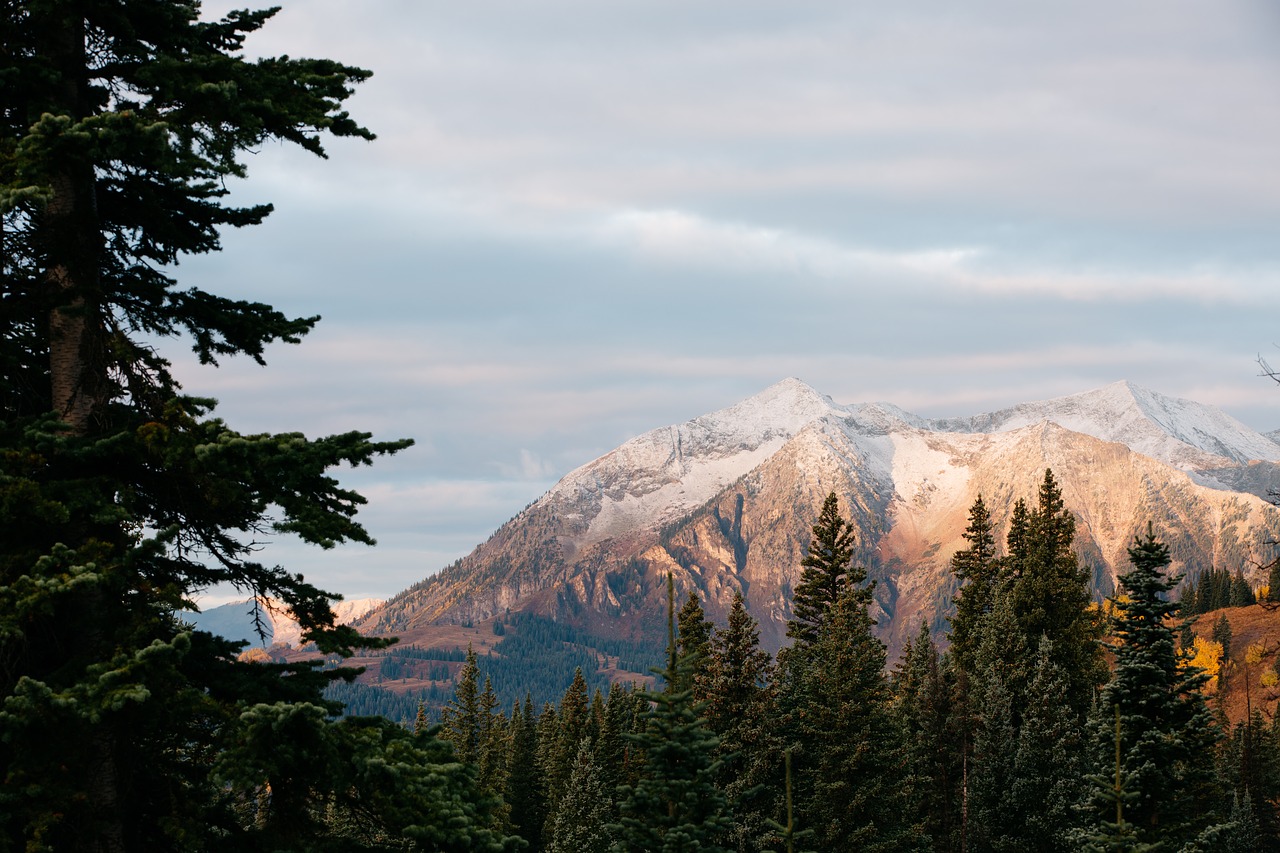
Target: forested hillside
(1050, 723)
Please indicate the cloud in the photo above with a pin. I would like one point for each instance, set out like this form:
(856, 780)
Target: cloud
(675, 236)
(680, 238)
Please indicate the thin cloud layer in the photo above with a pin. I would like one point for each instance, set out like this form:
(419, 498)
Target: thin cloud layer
(582, 221)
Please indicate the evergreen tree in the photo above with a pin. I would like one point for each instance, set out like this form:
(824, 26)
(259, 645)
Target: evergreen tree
(1244, 835)
(675, 804)
(611, 748)
(1118, 836)
(977, 571)
(122, 496)
(1166, 732)
(740, 709)
(1051, 595)
(1249, 764)
(1048, 780)
(1222, 634)
(523, 793)
(990, 819)
(693, 633)
(493, 751)
(462, 717)
(583, 822)
(572, 722)
(1241, 593)
(826, 573)
(1273, 581)
(932, 740)
(835, 699)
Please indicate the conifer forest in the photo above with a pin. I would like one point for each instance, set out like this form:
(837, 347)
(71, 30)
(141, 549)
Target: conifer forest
(1040, 720)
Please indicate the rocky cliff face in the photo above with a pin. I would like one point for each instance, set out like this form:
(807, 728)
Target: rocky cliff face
(725, 502)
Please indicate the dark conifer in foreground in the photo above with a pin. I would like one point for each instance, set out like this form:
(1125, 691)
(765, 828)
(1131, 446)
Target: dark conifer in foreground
(1166, 731)
(1051, 596)
(583, 822)
(740, 709)
(932, 741)
(675, 805)
(977, 572)
(461, 718)
(523, 792)
(826, 573)
(1048, 771)
(835, 701)
(693, 639)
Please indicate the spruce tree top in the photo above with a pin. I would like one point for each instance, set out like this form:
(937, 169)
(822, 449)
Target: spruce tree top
(827, 573)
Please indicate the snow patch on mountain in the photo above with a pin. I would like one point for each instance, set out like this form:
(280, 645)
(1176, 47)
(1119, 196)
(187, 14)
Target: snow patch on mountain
(658, 476)
(1182, 433)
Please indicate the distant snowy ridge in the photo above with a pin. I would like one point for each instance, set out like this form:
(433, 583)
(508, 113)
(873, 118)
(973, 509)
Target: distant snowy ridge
(1180, 432)
(662, 474)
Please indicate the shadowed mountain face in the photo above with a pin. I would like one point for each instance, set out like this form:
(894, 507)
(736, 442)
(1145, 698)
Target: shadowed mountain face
(726, 501)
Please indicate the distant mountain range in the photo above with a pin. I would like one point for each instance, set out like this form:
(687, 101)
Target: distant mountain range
(726, 501)
(234, 620)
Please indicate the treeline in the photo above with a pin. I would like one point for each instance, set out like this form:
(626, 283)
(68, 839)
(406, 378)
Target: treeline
(1019, 737)
(535, 659)
(1215, 589)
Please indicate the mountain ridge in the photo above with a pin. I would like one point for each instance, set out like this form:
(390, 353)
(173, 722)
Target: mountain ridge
(724, 502)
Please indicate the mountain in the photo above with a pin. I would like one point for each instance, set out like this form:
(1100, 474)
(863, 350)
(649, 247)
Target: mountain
(234, 620)
(725, 502)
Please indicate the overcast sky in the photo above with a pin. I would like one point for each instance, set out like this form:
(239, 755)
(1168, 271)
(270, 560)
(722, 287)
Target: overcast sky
(584, 220)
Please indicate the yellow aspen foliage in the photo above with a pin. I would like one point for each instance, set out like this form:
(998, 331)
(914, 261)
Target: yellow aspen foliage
(1269, 679)
(1253, 654)
(1208, 656)
(1263, 592)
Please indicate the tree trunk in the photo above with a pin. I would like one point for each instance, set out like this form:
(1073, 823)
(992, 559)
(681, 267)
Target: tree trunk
(70, 238)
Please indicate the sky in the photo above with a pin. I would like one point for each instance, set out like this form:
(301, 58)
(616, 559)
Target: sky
(583, 220)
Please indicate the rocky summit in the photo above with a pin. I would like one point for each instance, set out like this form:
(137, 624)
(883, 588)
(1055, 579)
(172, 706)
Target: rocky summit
(725, 502)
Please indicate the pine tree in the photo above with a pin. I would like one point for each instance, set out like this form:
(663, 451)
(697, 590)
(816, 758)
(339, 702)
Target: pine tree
(462, 716)
(1241, 593)
(932, 740)
(611, 748)
(1166, 732)
(493, 751)
(693, 633)
(989, 819)
(523, 793)
(122, 496)
(675, 805)
(976, 569)
(835, 702)
(826, 573)
(557, 760)
(1048, 780)
(740, 709)
(1051, 595)
(992, 821)
(583, 822)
